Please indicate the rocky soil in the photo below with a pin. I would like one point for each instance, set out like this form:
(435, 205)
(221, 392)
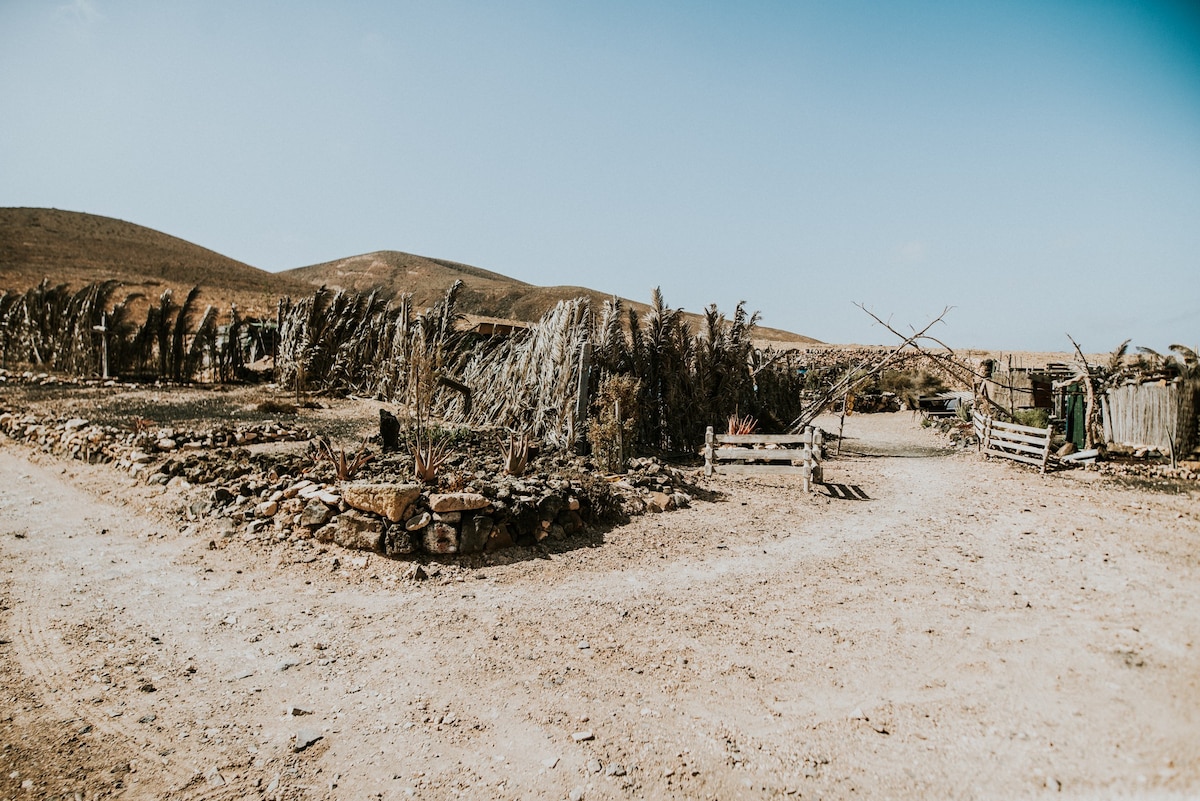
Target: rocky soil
(926, 625)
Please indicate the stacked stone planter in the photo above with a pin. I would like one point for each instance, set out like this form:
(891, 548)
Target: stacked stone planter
(280, 496)
(401, 520)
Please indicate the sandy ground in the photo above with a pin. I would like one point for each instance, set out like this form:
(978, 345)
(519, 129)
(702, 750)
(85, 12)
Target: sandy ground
(943, 628)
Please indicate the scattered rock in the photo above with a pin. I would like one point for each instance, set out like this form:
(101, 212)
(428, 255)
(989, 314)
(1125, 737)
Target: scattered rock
(418, 522)
(659, 502)
(315, 514)
(304, 738)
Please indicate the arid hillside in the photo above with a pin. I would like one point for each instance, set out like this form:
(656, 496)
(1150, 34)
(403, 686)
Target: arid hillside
(76, 249)
(485, 293)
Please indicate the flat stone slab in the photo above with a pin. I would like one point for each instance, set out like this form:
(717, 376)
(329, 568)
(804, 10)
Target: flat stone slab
(457, 502)
(386, 500)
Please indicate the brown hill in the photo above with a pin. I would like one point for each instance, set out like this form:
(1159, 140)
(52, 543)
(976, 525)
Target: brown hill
(484, 293)
(74, 248)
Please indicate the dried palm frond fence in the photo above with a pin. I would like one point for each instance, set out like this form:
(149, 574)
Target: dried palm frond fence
(348, 343)
(89, 332)
(1161, 415)
(540, 381)
(688, 378)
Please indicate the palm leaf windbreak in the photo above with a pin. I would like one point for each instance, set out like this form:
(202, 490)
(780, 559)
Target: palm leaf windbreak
(529, 382)
(89, 333)
(347, 343)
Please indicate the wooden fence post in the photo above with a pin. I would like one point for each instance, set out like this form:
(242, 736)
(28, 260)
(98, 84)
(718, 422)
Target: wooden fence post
(581, 397)
(708, 452)
(1046, 453)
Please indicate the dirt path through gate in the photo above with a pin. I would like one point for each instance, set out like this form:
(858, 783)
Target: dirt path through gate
(949, 628)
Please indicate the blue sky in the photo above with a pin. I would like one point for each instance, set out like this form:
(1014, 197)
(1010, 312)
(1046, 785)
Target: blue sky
(1035, 165)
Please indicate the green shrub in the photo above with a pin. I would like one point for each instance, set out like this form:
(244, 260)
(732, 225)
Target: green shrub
(909, 385)
(614, 421)
(1038, 418)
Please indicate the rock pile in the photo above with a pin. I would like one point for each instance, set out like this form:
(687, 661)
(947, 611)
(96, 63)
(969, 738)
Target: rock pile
(50, 380)
(400, 519)
(274, 497)
(78, 438)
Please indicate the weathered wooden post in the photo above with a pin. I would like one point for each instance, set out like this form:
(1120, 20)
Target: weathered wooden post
(620, 434)
(581, 392)
(102, 329)
(1046, 452)
(708, 452)
(808, 457)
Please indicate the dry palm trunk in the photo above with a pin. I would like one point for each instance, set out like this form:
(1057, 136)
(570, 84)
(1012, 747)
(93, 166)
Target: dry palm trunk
(1092, 425)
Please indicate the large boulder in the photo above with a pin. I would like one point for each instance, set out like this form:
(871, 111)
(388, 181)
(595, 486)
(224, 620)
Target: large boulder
(358, 531)
(392, 501)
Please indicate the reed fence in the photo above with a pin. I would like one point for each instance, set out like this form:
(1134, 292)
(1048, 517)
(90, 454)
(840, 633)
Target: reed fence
(1161, 414)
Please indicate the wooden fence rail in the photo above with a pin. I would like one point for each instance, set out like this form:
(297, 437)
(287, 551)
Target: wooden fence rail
(735, 454)
(1026, 444)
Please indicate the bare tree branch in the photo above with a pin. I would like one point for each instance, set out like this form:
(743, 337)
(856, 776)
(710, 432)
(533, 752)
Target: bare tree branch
(860, 374)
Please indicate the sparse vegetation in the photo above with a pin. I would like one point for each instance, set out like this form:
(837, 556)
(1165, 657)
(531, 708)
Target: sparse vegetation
(741, 425)
(1038, 418)
(910, 385)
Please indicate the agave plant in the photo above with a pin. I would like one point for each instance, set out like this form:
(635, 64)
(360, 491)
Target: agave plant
(429, 453)
(516, 454)
(345, 465)
(741, 425)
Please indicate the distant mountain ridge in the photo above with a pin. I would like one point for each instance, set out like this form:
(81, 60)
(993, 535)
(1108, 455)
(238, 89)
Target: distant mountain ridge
(77, 248)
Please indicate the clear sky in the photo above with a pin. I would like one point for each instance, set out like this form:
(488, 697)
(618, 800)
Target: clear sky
(1035, 165)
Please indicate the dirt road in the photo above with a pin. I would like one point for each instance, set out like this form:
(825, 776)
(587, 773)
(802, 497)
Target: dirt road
(965, 630)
